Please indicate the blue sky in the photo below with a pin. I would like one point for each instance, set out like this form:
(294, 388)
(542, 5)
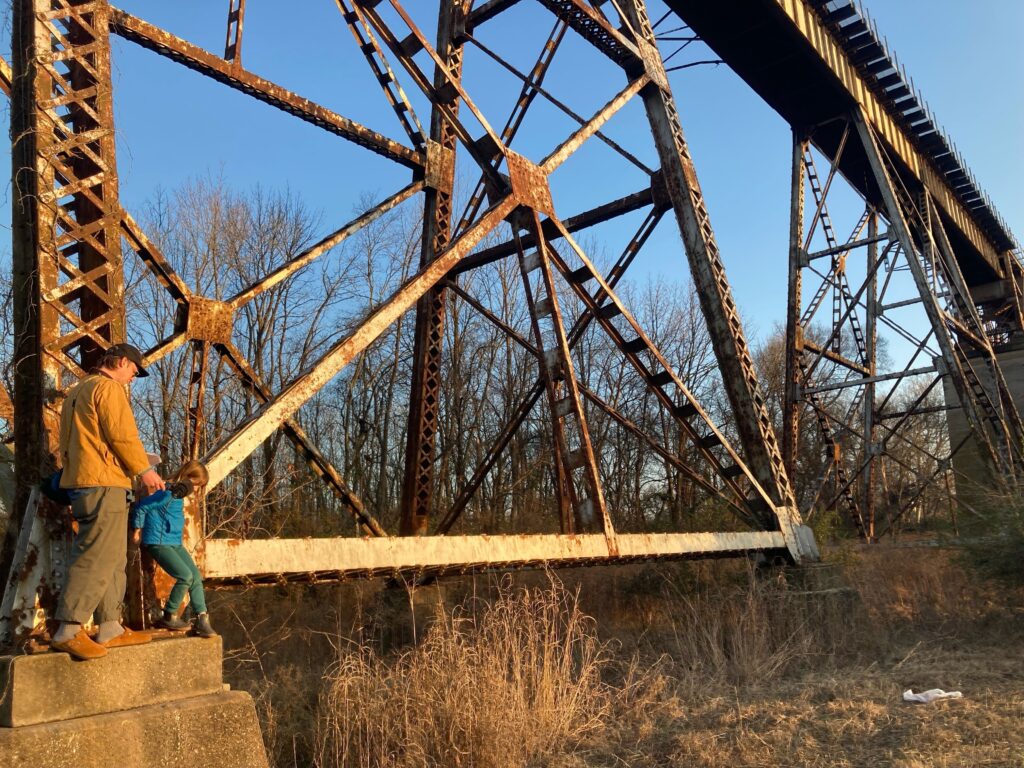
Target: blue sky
(174, 125)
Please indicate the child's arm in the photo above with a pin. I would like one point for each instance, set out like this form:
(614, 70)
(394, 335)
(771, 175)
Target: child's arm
(137, 516)
(139, 510)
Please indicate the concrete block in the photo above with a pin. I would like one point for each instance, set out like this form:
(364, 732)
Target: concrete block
(48, 687)
(215, 730)
(973, 483)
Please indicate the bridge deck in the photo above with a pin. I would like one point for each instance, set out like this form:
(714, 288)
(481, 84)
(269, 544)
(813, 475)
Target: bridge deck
(814, 65)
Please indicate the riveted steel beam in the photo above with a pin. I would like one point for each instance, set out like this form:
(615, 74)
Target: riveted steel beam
(428, 335)
(195, 58)
(66, 221)
(757, 434)
(271, 561)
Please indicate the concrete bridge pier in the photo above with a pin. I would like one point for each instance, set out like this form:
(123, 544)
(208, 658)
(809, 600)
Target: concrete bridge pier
(160, 704)
(973, 484)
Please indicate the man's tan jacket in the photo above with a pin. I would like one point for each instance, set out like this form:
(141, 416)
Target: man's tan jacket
(99, 442)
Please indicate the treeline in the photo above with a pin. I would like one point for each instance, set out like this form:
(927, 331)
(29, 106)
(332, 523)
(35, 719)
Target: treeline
(220, 240)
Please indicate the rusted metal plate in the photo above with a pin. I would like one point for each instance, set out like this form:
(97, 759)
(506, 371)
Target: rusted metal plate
(529, 183)
(210, 320)
(440, 167)
(651, 57)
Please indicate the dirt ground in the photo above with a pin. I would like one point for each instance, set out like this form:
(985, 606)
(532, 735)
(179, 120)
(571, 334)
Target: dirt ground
(705, 664)
(856, 717)
(927, 622)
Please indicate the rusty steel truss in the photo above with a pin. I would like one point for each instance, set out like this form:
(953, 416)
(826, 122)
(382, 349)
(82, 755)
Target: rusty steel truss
(69, 226)
(834, 379)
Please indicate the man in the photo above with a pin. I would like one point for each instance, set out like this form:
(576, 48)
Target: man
(101, 454)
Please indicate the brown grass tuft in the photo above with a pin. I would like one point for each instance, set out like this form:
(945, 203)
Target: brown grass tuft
(500, 684)
(712, 664)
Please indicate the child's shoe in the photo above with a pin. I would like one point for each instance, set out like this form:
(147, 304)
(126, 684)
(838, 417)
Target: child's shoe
(172, 622)
(202, 626)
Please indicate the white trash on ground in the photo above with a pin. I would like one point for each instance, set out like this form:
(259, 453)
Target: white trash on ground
(927, 697)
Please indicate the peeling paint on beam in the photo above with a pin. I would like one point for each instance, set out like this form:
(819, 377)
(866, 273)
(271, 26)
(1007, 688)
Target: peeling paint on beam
(164, 43)
(273, 560)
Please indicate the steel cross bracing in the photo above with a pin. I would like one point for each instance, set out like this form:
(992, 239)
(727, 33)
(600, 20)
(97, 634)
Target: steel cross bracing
(70, 226)
(70, 161)
(911, 265)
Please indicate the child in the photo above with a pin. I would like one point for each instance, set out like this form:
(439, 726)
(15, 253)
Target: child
(158, 520)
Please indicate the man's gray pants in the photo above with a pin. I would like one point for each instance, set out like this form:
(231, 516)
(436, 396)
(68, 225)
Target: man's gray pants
(95, 583)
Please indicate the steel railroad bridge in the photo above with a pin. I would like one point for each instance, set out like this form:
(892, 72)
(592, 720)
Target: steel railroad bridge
(927, 240)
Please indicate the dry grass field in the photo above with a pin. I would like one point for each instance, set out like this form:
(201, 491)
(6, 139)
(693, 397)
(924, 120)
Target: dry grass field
(684, 664)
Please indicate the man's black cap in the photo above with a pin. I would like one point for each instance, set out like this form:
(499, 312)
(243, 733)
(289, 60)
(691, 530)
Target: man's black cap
(132, 353)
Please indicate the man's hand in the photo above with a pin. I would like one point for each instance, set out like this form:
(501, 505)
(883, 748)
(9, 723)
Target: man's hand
(151, 481)
(136, 535)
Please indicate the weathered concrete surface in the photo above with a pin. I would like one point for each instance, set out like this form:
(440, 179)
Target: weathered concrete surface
(52, 686)
(973, 484)
(215, 731)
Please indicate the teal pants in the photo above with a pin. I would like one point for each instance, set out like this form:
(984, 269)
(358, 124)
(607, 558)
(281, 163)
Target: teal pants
(179, 563)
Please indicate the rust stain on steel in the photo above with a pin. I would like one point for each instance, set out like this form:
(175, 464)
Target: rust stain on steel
(367, 42)
(653, 66)
(424, 388)
(440, 169)
(233, 35)
(6, 406)
(153, 258)
(194, 57)
(235, 448)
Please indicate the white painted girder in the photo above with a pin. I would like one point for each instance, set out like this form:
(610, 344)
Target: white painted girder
(233, 560)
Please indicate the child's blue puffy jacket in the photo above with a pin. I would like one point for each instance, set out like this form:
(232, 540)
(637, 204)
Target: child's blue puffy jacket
(161, 518)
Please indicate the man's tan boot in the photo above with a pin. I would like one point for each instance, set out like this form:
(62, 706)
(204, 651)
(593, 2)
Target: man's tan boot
(81, 646)
(127, 638)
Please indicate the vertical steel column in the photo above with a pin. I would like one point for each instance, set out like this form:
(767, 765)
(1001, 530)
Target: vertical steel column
(34, 259)
(66, 214)
(233, 36)
(870, 346)
(68, 287)
(424, 393)
(756, 431)
(195, 419)
(794, 330)
(936, 316)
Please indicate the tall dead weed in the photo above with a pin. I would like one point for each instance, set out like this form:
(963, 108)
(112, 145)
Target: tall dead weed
(505, 683)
